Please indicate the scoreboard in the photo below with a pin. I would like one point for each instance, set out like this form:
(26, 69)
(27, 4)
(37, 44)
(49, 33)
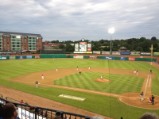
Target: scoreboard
(83, 47)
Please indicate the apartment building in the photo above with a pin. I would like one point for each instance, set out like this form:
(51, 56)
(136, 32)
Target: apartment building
(20, 42)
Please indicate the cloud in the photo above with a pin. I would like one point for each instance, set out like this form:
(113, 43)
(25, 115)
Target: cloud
(74, 19)
(25, 8)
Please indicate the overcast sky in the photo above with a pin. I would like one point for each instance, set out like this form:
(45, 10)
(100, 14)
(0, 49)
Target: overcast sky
(78, 19)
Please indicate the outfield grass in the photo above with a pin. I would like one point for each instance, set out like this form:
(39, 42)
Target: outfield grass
(87, 80)
(107, 106)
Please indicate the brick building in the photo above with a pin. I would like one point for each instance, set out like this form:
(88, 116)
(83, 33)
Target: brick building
(20, 42)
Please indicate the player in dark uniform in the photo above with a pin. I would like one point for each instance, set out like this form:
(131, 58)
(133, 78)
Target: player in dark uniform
(153, 99)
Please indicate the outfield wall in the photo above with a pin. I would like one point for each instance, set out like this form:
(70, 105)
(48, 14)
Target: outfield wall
(77, 56)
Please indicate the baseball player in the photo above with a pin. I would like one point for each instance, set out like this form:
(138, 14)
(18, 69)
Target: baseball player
(42, 76)
(36, 84)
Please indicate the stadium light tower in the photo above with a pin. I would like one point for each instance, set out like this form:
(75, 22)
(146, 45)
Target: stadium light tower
(111, 31)
(151, 49)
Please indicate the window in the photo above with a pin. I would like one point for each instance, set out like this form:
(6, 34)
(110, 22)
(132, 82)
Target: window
(13, 36)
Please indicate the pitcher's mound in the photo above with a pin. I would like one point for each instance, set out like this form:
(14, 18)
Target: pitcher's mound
(102, 80)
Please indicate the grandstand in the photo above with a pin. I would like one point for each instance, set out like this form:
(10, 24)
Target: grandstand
(31, 112)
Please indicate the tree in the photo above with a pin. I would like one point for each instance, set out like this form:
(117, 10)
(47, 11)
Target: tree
(69, 47)
(96, 46)
(55, 41)
(61, 46)
(153, 38)
(142, 39)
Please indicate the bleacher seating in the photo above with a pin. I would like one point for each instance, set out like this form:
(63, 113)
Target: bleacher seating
(30, 112)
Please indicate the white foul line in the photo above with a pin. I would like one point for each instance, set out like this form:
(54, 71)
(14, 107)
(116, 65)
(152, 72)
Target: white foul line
(150, 80)
(146, 84)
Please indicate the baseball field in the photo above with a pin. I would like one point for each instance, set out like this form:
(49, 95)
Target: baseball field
(103, 87)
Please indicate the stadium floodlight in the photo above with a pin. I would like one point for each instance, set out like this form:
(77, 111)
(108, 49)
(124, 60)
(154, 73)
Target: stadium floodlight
(111, 31)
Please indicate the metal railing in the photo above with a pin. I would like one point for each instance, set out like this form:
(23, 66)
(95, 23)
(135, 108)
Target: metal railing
(31, 112)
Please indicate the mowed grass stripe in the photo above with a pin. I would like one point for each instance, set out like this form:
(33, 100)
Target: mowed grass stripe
(124, 83)
(134, 65)
(84, 80)
(117, 84)
(95, 103)
(90, 82)
(28, 66)
(91, 85)
(88, 79)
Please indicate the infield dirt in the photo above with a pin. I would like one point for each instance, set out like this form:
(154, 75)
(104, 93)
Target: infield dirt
(132, 99)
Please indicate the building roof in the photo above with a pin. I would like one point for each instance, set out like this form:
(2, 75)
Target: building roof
(18, 33)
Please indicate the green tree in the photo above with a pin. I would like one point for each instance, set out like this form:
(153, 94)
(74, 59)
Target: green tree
(96, 46)
(55, 41)
(153, 38)
(62, 46)
(69, 48)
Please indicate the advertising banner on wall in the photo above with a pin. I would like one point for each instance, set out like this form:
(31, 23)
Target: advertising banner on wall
(115, 53)
(123, 58)
(145, 53)
(135, 53)
(96, 52)
(156, 54)
(108, 58)
(125, 53)
(3, 58)
(78, 56)
(131, 58)
(37, 56)
(93, 57)
(12, 57)
(29, 56)
(105, 52)
(21, 57)
(24, 57)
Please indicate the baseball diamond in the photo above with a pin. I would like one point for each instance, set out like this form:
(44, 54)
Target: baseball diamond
(114, 95)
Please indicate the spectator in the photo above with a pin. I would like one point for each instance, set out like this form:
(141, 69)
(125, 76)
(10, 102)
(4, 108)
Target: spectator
(58, 115)
(22, 102)
(1, 111)
(149, 116)
(9, 111)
